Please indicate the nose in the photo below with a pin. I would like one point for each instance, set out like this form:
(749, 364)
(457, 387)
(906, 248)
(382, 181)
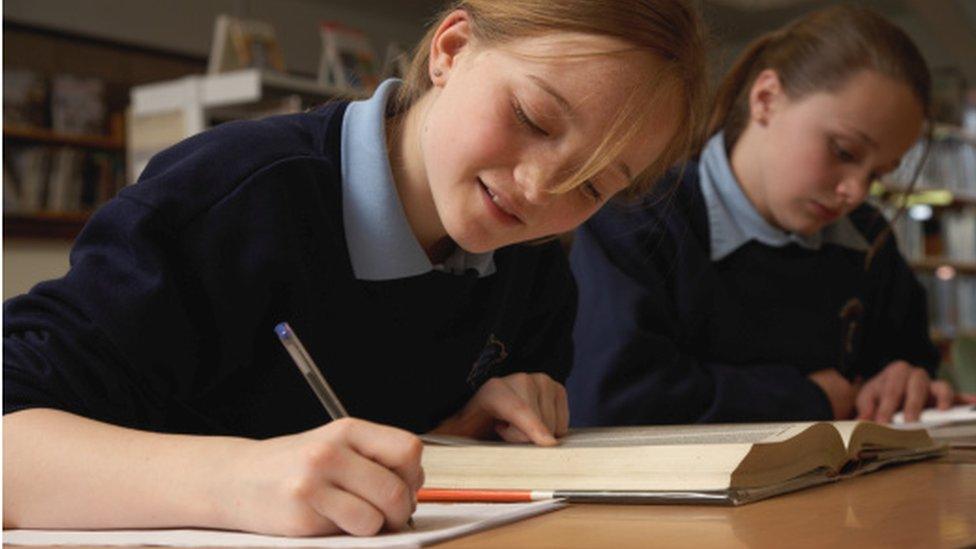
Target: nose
(854, 187)
(534, 181)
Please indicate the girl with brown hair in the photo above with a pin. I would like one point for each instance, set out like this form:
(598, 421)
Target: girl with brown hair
(759, 286)
(147, 388)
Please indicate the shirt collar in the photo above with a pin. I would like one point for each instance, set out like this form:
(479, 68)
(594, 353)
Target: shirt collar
(733, 220)
(381, 243)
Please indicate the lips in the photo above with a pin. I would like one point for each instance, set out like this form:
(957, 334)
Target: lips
(825, 212)
(498, 205)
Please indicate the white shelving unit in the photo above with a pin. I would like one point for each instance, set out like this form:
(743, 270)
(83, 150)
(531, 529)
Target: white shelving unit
(164, 113)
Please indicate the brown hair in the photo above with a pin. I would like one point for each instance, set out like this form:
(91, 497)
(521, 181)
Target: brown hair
(820, 52)
(671, 29)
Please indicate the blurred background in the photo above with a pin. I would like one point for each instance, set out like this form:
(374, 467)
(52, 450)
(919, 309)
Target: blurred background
(93, 88)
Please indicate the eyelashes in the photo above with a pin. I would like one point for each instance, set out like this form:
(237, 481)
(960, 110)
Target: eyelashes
(526, 121)
(588, 188)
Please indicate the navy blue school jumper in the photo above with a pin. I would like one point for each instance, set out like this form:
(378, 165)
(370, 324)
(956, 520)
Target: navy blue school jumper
(165, 320)
(689, 314)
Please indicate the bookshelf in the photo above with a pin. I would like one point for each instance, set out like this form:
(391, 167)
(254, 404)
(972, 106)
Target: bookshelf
(163, 113)
(67, 175)
(937, 234)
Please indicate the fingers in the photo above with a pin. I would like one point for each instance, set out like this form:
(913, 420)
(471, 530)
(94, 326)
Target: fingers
(393, 448)
(348, 512)
(942, 393)
(867, 401)
(916, 393)
(965, 398)
(895, 378)
(513, 400)
(376, 485)
(370, 475)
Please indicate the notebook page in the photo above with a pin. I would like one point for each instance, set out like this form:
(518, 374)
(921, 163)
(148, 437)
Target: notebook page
(434, 522)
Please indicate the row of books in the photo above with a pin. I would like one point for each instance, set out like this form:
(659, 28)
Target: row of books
(950, 235)
(65, 103)
(951, 301)
(58, 179)
(951, 164)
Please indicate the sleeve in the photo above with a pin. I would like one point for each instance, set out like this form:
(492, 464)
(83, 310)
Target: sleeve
(898, 326)
(545, 342)
(629, 366)
(168, 284)
(84, 343)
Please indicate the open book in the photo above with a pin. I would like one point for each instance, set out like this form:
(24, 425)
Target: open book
(724, 464)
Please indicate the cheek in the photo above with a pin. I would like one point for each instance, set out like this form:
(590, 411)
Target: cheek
(468, 138)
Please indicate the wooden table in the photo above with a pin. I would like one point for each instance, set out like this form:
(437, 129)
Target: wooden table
(930, 504)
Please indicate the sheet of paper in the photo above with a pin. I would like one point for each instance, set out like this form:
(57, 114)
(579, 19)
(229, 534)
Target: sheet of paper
(932, 417)
(434, 522)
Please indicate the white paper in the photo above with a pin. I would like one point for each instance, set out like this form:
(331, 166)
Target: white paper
(932, 417)
(434, 522)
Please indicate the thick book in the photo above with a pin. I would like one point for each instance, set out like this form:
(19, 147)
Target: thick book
(720, 464)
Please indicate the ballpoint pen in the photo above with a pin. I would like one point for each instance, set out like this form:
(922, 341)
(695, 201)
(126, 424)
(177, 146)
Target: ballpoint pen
(313, 376)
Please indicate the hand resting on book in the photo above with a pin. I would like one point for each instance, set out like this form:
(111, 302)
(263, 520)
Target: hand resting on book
(519, 408)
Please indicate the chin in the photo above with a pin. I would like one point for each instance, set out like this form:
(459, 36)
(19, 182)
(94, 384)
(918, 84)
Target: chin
(473, 240)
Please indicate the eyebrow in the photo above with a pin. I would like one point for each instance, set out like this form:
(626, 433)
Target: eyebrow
(552, 91)
(864, 137)
(568, 108)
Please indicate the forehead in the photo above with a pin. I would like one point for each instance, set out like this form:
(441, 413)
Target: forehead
(597, 75)
(884, 109)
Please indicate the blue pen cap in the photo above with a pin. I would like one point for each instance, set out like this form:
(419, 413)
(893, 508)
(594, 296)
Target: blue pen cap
(283, 330)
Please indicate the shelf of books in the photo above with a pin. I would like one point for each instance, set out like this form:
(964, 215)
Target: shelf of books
(937, 233)
(163, 113)
(62, 155)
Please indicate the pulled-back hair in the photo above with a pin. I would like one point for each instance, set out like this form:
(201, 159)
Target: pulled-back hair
(671, 29)
(820, 52)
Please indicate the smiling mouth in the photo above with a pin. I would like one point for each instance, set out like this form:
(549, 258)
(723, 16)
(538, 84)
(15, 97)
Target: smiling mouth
(497, 201)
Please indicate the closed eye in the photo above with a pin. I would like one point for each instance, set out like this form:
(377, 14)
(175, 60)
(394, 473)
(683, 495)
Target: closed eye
(841, 153)
(590, 190)
(525, 120)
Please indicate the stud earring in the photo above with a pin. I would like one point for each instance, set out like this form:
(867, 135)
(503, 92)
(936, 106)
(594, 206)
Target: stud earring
(437, 72)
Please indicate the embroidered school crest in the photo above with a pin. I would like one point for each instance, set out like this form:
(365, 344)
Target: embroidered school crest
(851, 318)
(493, 354)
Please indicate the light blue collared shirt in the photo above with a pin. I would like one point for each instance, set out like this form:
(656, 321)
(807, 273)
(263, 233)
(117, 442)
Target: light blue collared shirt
(381, 243)
(733, 220)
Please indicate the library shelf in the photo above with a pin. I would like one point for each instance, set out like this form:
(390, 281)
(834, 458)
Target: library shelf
(50, 137)
(937, 197)
(935, 263)
(48, 225)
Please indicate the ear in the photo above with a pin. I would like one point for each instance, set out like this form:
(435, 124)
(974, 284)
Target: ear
(766, 95)
(451, 39)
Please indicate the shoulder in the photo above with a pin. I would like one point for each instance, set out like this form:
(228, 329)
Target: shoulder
(198, 172)
(671, 214)
(869, 221)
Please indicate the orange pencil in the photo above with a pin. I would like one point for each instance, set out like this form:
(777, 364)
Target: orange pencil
(492, 496)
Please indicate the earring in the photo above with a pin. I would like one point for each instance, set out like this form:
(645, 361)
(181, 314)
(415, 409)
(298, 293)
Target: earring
(437, 72)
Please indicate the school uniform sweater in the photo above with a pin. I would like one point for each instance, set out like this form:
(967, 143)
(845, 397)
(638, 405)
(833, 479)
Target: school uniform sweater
(693, 309)
(165, 320)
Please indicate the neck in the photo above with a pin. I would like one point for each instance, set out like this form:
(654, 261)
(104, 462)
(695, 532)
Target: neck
(403, 133)
(744, 160)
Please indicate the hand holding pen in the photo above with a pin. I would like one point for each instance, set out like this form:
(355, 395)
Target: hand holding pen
(353, 474)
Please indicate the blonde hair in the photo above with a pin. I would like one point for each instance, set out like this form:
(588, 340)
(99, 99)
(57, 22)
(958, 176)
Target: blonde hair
(671, 29)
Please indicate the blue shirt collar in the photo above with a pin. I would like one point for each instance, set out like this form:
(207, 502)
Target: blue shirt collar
(381, 243)
(733, 220)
